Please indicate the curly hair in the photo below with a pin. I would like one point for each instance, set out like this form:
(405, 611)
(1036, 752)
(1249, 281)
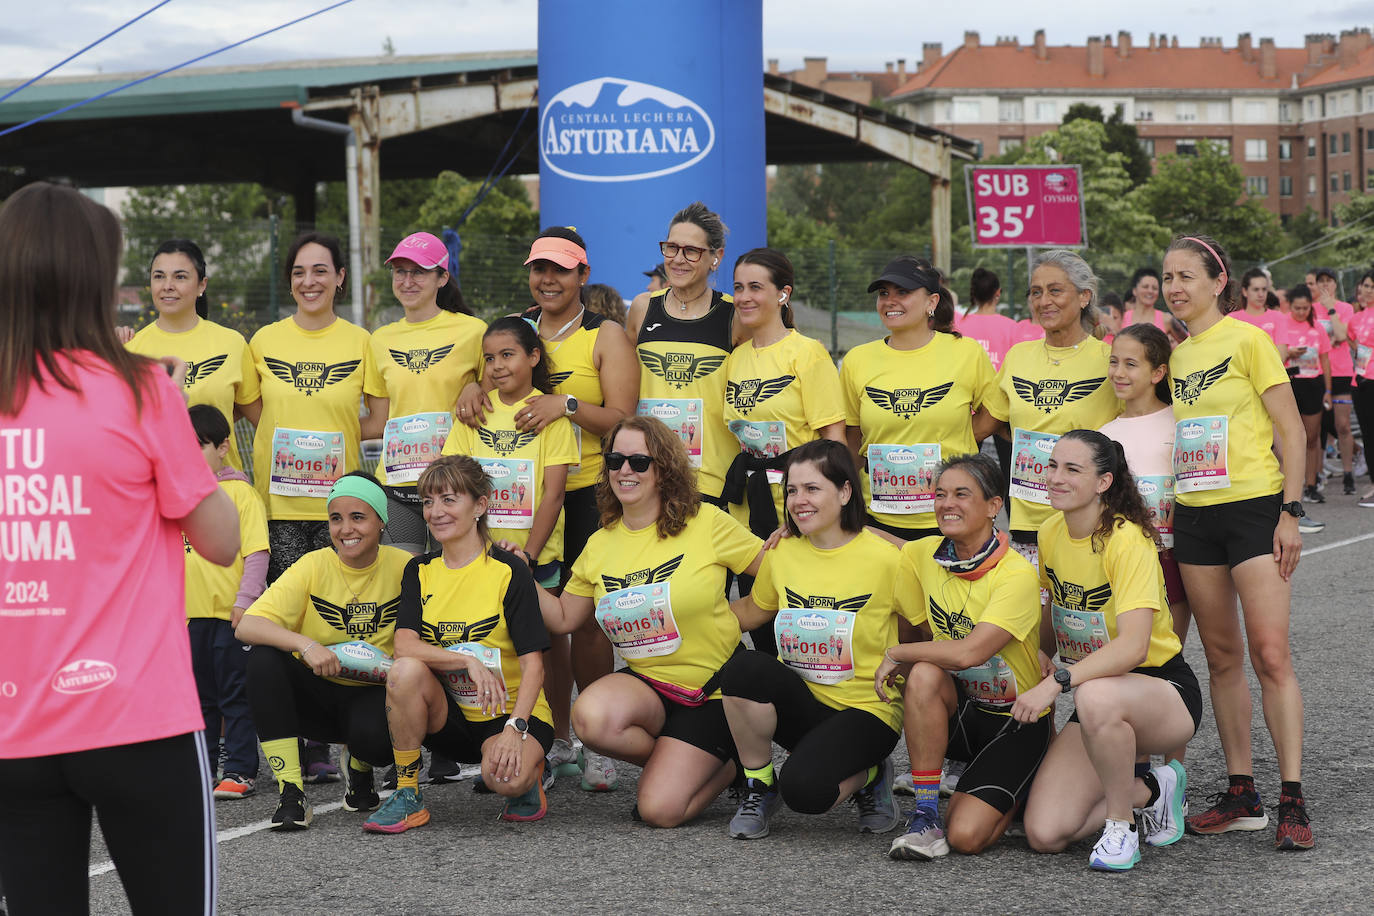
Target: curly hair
(1122, 502)
(679, 498)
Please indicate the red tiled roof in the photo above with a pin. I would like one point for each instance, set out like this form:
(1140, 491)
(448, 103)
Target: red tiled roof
(1362, 68)
(1066, 67)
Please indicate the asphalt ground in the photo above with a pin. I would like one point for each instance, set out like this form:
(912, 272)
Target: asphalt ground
(588, 855)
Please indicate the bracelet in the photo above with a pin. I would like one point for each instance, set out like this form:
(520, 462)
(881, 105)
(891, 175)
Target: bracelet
(308, 646)
(890, 658)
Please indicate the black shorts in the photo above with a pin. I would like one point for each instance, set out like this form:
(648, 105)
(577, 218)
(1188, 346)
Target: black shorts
(1308, 393)
(1226, 534)
(462, 740)
(1178, 672)
(703, 726)
(1002, 754)
(906, 534)
(581, 519)
(1341, 385)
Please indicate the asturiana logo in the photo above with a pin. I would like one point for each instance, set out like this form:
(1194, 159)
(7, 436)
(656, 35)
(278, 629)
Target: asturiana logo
(83, 676)
(611, 129)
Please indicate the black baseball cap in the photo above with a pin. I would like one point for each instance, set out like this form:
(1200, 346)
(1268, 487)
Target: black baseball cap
(657, 271)
(908, 272)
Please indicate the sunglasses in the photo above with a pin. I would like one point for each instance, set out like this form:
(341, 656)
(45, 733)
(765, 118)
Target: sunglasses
(638, 463)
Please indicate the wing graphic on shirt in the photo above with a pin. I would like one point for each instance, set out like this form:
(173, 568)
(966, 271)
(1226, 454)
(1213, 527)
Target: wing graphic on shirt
(1056, 587)
(450, 634)
(659, 573)
(310, 377)
(418, 361)
(378, 617)
(906, 402)
(1051, 394)
(825, 602)
(1095, 598)
(682, 368)
(940, 617)
(746, 395)
(558, 378)
(206, 367)
(331, 614)
(504, 441)
(1189, 388)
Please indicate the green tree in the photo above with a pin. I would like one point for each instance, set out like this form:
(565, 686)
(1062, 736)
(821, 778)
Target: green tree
(1122, 138)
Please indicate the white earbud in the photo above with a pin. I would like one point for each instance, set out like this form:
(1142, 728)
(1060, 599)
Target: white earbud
(715, 262)
(783, 297)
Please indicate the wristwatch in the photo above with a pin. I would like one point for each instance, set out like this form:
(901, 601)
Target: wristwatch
(522, 728)
(571, 407)
(1062, 676)
(1294, 509)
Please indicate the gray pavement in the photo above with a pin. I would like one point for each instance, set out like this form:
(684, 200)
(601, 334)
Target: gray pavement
(588, 855)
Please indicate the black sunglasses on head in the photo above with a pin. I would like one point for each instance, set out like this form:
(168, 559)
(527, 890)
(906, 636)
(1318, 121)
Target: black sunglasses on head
(638, 463)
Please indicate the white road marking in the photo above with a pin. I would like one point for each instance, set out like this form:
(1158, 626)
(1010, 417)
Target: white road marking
(1333, 545)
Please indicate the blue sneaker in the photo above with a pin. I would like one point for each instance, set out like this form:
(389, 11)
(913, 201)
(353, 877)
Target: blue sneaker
(402, 811)
(878, 811)
(924, 838)
(758, 803)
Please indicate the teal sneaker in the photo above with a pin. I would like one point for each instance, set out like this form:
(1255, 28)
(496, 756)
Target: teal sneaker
(403, 810)
(531, 806)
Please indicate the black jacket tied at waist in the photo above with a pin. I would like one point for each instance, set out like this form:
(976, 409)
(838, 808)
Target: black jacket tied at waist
(747, 479)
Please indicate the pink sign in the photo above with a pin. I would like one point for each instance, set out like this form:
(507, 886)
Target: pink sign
(1026, 206)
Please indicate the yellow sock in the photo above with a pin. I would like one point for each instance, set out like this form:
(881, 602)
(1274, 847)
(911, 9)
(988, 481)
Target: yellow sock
(407, 768)
(284, 756)
(360, 766)
(763, 774)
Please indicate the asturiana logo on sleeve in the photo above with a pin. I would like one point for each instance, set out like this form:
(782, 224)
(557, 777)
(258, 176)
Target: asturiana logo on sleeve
(610, 129)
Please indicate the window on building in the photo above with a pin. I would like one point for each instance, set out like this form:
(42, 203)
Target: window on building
(1286, 185)
(1311, 184)
(947, 112)
(1345, 142)
(1285, 150)
(1218, 112)
(1369, 139)
(1311, 106)
(1223, 142)
(1369, 100)
(1007, 144)
(967, 112)
(1256, 112)
(1257, 186)
(1335, 182)
(1148, 145)
(1332, 144)
(1369, 179)
(1185, 147)
(1010, 110)
(1345, 181)
(1144, 111)
(1185, 111)
(1311, 146)
(1286, 112)
(1046, 111)
(1256, 150)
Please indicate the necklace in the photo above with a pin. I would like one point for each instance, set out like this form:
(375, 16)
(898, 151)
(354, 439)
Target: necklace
(559, 333)
(682, 306)
(1054, 362)
(463, 564)
(370, 576)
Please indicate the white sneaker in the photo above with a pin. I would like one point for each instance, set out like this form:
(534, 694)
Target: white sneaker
(1118, 849)
(598, 772)
(949, 779)
(1163, 822)
(903, 784)
(562, 758)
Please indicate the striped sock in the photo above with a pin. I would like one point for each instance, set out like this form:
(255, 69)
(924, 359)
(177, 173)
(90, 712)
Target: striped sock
(284, 757)
(407, 768)
(926, 784)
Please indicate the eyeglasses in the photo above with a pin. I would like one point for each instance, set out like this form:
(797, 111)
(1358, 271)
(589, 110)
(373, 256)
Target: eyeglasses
(690, 252)
(638, 463)
(405, 273)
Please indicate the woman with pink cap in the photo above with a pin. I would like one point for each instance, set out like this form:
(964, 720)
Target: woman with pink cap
(595, 386)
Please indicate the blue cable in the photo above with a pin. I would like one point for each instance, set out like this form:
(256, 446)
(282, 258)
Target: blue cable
(185, 63)
(489, 182)
(84, 50)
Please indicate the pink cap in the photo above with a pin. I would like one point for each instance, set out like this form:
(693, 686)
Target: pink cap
(424, 249)
(563, 252)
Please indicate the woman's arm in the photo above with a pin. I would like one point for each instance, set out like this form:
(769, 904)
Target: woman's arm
(563, 613)
(252, 411)
(374, 424)
(854, 438)
(546, 513)
(750, 615)
(259, 631)
(1326, 381)
(981, 644)
(835, 431)
(1128, 650)
(1283, 410)
(212, 527)
(473, 403)
(634, 319)
(984, 424)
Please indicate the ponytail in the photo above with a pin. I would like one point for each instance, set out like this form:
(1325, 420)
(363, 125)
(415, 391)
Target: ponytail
(1122, 501)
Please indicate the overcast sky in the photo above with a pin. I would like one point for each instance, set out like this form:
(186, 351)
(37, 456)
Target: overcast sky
(864, 36)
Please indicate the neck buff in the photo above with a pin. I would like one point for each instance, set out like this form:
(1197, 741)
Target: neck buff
(977, 566)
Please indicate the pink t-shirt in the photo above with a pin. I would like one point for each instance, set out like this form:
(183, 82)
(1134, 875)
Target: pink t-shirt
(994, 333)
(1295, 334)
(1148, 442)
(1342, 363)
(1362, 332)
(1160, 319)
(93, 648)
(1029, 331)
(1267, 321)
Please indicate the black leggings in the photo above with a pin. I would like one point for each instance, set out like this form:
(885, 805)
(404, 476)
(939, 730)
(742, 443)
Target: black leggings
(1363, 398)
(289, 700)
(828, 745)
(291, 540)
(160, 831)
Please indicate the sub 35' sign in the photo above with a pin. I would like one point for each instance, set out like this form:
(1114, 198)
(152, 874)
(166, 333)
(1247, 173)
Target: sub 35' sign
(1026, 206)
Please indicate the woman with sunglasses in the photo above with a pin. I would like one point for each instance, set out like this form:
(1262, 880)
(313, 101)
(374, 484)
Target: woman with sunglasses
(684, 332)
(653, 577)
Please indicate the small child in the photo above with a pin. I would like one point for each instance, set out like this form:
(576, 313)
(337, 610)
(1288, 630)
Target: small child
(216, 597)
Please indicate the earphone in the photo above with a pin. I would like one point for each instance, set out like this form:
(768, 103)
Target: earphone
(783, 297)
(715, 262)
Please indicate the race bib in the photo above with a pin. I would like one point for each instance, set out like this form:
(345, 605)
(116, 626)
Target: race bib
(1030, 465)
(817, 644)
(459, 685)
(1200, 454)
(902, 478)
(1158, 493)
(511, 503)
(410, 443)
(1362, 355)
(990, 684)
(305, 462)
(762, 439)
(639, 620)
(1078, 633)
(1309, 363)
(683, 416)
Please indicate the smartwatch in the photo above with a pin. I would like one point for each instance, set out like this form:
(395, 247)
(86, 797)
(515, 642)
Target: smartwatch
(570, 407)
(522, 728)
(1294, 509)
(1062, 676)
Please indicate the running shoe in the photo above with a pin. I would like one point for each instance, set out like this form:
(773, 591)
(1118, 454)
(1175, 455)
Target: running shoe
(1309, 525)
(562, 758)
(1312, 495)
(878, 811)
(904, 784)
(359, 793)
(757, 804)
(389, 779)
(949, 779)
(442, 769)
(1234, 809)
(317, 766)
(1295, 832)
(1118, 849)
(1348, 484)
(531, 806)
(598, 772)
(235, 786)
(1367, 500)
(1163, 821)
(1361, 467)
(403, 810)
(924, 838)
(293, 810)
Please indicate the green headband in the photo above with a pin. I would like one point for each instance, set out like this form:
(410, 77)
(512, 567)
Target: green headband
(357, 487)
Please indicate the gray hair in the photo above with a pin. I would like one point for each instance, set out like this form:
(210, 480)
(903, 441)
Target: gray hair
(982, 468)
(1082, 278)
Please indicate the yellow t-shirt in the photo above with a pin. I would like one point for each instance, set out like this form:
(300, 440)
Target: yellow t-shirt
(780, 396)
(219, 368)
(1007, 596)
(1088, 589)
(1043, 392)
(490, 607)
(835, 617)
(661, 601)
(913, 408)
(421, 366)
(324, 600)
(572, 369)
(211, 588)
(1223, 432)
(515, 462)
(312, 388)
